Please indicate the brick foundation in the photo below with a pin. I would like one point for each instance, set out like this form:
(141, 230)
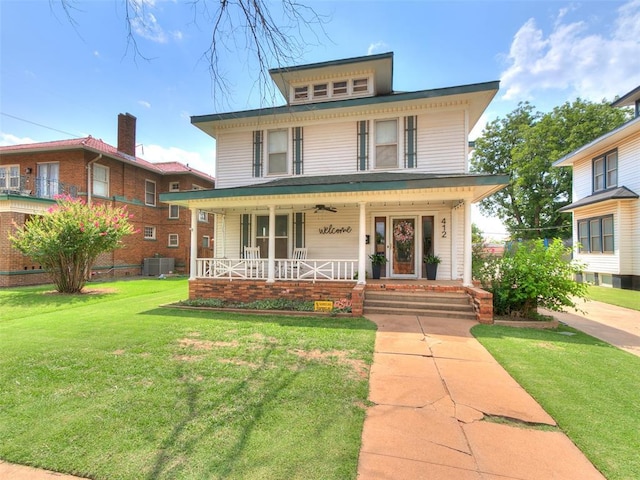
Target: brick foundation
(251, 290)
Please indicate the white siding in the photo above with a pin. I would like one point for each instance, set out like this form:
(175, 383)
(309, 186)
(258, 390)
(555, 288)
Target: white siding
(601, 262)
(582, 183)
(330, 147)
(441, 142)
(629, 164)
(234, 159)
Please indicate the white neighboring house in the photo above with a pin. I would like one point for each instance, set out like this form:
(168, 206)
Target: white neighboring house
(605, 203)
(346, 168)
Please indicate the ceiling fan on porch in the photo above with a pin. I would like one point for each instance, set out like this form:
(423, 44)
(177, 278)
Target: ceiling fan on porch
(326, 208)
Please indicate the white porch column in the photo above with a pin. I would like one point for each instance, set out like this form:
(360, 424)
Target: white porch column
(194, 243)
(362, 246)
(455, 220)
(271, 262)
(466, 276)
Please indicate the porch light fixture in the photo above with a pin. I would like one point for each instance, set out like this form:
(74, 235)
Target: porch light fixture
(28, 170)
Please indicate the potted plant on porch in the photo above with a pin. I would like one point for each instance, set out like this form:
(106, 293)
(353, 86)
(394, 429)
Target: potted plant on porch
(431, 263)
(377, 261)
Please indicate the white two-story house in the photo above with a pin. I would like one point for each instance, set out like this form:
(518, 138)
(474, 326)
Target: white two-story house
(605, 203)
(348, 167)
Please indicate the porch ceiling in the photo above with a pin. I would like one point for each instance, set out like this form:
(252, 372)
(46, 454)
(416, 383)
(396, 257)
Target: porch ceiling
(375, 188)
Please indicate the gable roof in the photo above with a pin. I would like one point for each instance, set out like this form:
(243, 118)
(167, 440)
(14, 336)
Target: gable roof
(628, 99)
(620, 193)
(603, 142)
(98, 146)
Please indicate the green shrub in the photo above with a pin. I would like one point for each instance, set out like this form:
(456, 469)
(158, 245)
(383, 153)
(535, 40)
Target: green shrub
(530, 275)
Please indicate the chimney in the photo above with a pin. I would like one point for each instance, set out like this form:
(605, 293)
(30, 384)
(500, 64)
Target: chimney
(127, 134)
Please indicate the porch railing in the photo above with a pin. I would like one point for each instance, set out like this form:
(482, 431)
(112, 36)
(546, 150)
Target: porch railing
(285, 269)
(33, 186)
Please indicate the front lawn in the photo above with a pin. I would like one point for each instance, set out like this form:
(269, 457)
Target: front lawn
(588, 386)
(615, 296)
(109, 385)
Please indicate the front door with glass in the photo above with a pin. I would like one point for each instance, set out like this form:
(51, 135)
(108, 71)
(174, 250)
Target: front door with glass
(403, 242)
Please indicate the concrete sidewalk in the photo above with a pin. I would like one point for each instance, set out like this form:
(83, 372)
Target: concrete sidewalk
(434, 386)
(615, 325)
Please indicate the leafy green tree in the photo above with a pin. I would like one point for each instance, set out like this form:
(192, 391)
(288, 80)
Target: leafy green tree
(530, 275)
(524, 145)
(68, 238)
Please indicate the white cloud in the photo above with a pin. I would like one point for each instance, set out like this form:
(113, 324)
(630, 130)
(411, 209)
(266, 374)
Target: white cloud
(7, 139)
(146, 26)
(374, 47)
(144, 103)
(199, 161)
(591, 66)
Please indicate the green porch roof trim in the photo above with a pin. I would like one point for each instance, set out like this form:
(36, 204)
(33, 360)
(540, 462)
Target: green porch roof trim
(350, 102)
(363, 182)
(28, 198)
(333, 63)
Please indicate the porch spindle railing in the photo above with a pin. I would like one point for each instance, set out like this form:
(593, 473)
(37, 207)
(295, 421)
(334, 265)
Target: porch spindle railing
(286, 269)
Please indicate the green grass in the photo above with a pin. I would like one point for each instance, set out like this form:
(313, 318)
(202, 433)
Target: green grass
(589, 387)
(615, 296)
(111, 386)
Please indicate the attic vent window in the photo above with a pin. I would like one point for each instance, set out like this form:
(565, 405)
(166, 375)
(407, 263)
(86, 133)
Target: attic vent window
(301, 93)
(360, 85)
(340, 88)
(320, 90)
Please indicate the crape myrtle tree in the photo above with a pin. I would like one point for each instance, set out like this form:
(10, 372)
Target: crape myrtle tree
(524, 146)
(68, 238)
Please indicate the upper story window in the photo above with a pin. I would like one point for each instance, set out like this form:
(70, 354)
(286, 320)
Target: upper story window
(174, 211)
(100, 180)
(320, 90)
(9, 177)
(360, 85)
(301, 93)
(605, 171)
(48, 180)
(174, 186)
(386, 143)
(277, 152)
(150, 193)
(339, 88)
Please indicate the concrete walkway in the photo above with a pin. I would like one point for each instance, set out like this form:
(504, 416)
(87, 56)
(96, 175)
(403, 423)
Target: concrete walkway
(615, 325)
(434, 387)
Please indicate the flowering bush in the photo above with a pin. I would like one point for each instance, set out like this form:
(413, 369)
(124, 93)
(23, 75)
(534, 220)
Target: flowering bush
(67, 239)
(403, 232)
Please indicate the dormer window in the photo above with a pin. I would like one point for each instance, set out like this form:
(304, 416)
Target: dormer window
(320, 90)
(360, 85)
(340, 88)
(301, 93)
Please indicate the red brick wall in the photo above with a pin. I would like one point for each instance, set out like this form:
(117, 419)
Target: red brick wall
(250, 290)
(126, 187)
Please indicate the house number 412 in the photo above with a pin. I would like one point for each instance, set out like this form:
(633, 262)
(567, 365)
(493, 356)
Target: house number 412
(444, 227)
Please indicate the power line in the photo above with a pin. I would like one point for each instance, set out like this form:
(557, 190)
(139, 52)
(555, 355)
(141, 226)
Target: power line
(40, 125)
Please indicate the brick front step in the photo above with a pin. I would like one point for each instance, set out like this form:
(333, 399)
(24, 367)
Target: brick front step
(424, 303)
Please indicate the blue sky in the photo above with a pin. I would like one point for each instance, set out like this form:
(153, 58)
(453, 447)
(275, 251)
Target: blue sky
(60, 80)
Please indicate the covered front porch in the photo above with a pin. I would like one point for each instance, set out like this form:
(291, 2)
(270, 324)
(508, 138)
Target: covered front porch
(312, 237)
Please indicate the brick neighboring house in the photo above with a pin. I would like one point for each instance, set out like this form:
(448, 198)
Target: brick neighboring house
(32, 174)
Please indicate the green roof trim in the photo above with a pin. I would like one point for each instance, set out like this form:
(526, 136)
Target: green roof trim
(333, 63)
(364, 182)
(349, 102)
